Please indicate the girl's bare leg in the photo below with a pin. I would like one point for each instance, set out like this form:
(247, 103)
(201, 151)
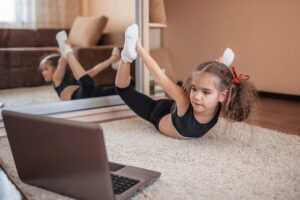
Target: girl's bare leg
(67, 52)
(77, 69)
(123, 75)
(127, 56)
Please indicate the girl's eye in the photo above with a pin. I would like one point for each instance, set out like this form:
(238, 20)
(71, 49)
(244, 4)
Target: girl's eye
(206, 92)
(193, 89)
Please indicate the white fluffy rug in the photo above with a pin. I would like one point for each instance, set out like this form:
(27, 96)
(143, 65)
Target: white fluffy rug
(233, 161)
(28, 96)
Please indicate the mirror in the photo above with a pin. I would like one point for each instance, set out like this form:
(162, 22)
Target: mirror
(27, 34)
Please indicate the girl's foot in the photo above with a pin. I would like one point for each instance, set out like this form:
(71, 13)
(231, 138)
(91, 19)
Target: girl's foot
(61, 38)
(129, 51)
(228, 57)
(115, 54)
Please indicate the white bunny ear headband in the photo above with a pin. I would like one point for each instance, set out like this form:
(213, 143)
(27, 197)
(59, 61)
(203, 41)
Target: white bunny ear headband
(227, 59)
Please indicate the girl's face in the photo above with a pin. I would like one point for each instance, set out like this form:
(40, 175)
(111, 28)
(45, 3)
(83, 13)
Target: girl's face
(205, 93)
(47, 70)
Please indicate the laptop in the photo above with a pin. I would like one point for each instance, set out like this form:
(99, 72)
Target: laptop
(69, 157)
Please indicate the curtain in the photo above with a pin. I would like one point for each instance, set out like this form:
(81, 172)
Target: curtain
(25, 13)
(47, 13)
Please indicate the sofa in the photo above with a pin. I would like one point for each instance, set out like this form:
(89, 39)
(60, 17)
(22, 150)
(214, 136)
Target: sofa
(21, 51)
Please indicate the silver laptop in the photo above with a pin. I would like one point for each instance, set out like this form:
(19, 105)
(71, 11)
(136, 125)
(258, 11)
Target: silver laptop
(69, 157)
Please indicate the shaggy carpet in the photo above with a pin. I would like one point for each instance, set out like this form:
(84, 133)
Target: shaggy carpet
(28, 96)
(232, 161)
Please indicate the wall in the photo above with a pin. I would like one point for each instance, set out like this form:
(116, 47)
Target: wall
(120, 13)
(265, 35)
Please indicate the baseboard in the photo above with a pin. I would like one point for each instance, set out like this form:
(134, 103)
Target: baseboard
(274, 95)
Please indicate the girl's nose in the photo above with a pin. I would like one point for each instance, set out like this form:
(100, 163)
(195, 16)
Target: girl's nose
(198, 96)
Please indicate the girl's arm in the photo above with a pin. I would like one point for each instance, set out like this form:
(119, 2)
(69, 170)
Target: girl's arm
(101, 66)
(60, 71)
(173, 90)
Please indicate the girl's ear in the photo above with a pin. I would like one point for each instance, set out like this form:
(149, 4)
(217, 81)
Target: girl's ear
(223, 96)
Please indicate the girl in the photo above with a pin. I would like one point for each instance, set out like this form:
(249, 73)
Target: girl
(211, 89)
(53, 68)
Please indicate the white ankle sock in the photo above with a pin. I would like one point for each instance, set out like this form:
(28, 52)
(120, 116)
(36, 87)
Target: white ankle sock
(228, 57)
(129, 51)
(115, 52)
(64, 48)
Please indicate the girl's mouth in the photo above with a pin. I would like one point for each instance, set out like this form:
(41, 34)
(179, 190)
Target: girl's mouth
(198, 104)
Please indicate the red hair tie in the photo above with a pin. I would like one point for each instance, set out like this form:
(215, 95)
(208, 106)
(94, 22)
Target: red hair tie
(237, 79)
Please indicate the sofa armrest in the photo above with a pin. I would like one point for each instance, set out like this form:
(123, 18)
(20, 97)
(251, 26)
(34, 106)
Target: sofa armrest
(91, 56)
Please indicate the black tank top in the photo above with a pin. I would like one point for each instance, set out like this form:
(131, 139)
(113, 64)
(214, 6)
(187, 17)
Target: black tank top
(188, 126)
(67, 81)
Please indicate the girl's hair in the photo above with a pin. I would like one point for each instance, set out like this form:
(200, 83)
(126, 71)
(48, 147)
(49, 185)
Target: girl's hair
(241, 97)
(52, 58)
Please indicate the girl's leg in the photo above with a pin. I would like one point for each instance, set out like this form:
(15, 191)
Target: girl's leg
(123, 75)
(102, 91)
(127, 56)
(86, 88)
(77, 69)
(144, 106)
(67, 52)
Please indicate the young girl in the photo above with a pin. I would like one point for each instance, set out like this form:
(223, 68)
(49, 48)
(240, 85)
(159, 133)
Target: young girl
(211, 89)
(53, 68)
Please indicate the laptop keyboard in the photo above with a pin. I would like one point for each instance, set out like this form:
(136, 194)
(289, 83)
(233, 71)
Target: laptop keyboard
(121, 183)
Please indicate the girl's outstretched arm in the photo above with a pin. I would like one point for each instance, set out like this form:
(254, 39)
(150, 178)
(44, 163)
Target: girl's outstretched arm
(115, 56)
(60, 71)
(171, 88)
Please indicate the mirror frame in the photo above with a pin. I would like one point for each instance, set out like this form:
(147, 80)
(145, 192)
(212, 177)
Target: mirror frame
(91, 103)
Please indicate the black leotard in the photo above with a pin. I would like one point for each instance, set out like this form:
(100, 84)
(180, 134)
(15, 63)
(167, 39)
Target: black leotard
(67, 81)
(188, 126)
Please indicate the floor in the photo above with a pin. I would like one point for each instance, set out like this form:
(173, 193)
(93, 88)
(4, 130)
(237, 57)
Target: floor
(276, 114)
(280, 115)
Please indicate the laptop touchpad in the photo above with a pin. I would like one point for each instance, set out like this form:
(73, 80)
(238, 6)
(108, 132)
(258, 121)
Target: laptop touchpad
(115, 167)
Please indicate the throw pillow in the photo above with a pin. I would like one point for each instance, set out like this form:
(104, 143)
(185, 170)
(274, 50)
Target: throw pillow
(86, 31)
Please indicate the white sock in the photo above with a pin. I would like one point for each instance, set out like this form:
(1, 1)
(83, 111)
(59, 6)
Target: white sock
(129, 51)
(228, 57)
(115, 52)
(61, 38)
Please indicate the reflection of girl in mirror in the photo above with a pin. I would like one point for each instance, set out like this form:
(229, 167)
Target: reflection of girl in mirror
(53, 68)
(210, 90)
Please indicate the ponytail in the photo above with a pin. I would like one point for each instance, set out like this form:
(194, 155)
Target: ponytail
(240, 100)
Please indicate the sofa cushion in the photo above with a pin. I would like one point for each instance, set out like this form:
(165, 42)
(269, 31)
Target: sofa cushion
(86, 31)
(115, 39)
(46, 37)
(17, 38)
(3, 37)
